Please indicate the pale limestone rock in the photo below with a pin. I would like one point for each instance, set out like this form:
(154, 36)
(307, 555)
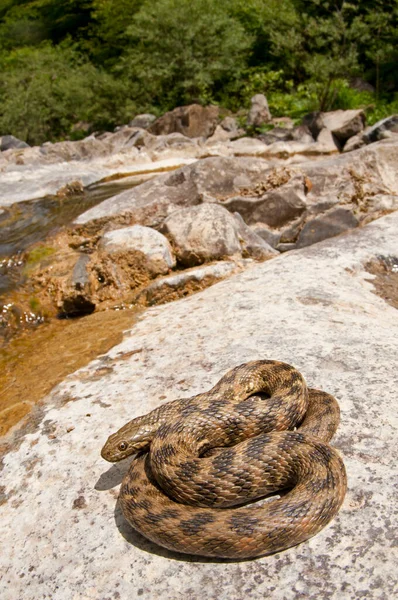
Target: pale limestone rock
(150, 242)
(210, 232)
(259, 111)
(192, 121)
(344, 124)
(247, 146)
(62, 531)
(162, 290)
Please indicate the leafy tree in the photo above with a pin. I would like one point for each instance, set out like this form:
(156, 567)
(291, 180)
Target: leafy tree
(45, 90)
(182, 51)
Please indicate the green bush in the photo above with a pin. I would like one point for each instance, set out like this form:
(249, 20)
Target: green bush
(45, 90)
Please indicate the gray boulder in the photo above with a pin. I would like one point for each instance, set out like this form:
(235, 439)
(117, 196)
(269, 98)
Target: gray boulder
(230, 124)
(193, 121)
(206, 180)
(331, 223)
(344, 124)
(143, 121)
(314, 122)
(209, 232)
(155, 247)
(269, 235)
(76, 297)
(274, 208)
(379, 129)
(302, 134)
(355, 142)
(259, 112)
(9, 142)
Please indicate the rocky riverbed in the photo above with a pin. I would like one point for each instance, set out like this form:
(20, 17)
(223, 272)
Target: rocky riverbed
(291, 232)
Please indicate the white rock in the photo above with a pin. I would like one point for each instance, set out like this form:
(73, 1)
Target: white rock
(150, 242)
(62, 534)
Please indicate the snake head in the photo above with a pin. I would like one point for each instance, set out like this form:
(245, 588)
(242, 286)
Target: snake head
(130, 439)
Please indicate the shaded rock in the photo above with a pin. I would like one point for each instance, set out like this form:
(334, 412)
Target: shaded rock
(325, 226)
(193, 121)
(267, 138)
(314, 122)
(143, 121)
(259, 112)
(252, 244)
(270, 236)
(355, 142)
(220, 135)
(76, 296)
(230, 124)
(286, 247)
(224, 135)
(290, 233)
(151, 243)
(302, 134)
(344, 123)
(275, 208)
(185, 283)
(357, 83)
(277, 134)
(9, 142)
(209, 232)
(377, 131)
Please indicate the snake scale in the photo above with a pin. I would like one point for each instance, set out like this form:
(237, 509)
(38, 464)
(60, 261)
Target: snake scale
(203, 463)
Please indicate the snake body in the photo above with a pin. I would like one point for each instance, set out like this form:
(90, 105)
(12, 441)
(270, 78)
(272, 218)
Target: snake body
(201, 460)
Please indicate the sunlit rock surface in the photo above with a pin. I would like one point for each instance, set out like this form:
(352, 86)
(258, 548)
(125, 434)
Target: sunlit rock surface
(63, 536)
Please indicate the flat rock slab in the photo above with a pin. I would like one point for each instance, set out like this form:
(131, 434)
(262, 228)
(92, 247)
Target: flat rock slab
(63, 536)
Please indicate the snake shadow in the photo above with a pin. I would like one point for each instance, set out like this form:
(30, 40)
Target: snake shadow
(113, 477)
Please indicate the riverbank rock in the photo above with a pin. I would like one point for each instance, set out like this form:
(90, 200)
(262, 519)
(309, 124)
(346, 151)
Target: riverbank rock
(193, 121)
(143, 121)
(184, 283)
(210, 232)
(318, 309)
(259, 111)
(328, 225)
(342, 124)
(205, 180)
(150, 242)
(9, 142)
(285, 199)
(382, 129)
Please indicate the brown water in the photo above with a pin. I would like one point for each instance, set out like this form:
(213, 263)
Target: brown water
(38, 359)
(35, 362)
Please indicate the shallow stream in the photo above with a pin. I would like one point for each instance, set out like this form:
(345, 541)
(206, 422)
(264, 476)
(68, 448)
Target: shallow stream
(35, 361)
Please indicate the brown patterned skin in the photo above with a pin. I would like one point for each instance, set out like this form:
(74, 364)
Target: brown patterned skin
(225, 448)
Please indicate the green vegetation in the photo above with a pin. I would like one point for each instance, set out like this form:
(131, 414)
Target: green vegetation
(37, 256)
(68, 67)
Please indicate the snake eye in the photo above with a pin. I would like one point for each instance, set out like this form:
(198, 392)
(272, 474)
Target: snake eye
(122, 446)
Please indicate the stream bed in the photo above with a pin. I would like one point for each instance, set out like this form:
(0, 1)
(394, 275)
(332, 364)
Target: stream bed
(32, 363)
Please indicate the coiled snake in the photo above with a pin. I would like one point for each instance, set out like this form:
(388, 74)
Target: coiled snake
(201, 460)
